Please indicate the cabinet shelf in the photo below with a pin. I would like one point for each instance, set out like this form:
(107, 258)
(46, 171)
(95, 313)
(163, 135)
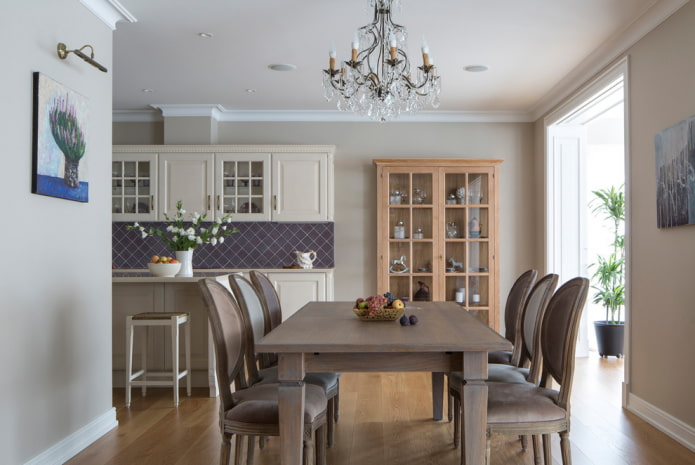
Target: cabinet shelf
(436, 180)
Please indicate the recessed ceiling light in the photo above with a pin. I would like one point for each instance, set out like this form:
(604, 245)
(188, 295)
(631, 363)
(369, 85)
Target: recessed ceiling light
(282, 67)
(250, 91)
(205, 35)
(475, 68)
(148, 91)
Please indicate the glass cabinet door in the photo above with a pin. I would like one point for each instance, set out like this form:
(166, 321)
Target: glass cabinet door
(243, 186)
(133, 187)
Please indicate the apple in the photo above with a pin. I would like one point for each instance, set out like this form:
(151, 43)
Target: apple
(154, 259)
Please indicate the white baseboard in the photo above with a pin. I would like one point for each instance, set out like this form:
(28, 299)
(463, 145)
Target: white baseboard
(64, 450)
(664, 422)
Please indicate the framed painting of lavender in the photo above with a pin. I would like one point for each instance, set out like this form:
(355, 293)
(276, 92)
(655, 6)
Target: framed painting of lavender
(59, 141)
(675, 174)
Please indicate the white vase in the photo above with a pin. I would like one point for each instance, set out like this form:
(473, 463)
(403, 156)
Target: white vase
(186, 259)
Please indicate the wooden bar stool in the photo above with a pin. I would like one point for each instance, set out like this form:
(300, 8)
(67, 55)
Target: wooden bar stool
(173, 320)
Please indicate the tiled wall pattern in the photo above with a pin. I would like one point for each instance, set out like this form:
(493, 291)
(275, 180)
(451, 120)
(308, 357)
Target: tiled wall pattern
(256, 245)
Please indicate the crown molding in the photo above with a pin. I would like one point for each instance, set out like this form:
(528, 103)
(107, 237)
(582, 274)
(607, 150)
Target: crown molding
(609, 51)
(109, 12)
(221, 114)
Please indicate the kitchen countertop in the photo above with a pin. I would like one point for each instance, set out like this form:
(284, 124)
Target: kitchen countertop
(144, 276)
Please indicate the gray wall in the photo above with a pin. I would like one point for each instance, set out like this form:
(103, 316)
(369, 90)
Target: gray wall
(55, 283)
(355, 180)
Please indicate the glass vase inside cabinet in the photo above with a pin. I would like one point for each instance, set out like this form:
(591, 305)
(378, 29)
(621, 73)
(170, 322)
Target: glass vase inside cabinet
(478, 189)
(422, 189)
(399, 185)
(132, 187)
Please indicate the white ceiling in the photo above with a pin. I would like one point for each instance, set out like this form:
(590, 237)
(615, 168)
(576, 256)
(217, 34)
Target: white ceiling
(535, 50)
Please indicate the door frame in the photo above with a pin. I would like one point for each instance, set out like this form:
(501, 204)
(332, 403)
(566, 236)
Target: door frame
(570, 107)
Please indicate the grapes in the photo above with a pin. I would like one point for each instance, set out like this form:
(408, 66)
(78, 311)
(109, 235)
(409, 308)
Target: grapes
(389, 298)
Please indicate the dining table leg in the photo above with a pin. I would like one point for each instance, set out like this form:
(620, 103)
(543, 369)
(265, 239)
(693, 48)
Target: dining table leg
(291, 407)
(474, 411)
(437, 395)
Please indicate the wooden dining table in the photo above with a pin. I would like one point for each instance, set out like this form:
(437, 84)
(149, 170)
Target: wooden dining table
(329, 337)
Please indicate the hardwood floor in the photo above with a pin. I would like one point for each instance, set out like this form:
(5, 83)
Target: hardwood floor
(386, 420)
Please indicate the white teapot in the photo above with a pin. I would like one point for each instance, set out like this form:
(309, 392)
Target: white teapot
(305, 259)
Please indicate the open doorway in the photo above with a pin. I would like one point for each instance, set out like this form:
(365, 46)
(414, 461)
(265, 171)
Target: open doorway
(585, 152)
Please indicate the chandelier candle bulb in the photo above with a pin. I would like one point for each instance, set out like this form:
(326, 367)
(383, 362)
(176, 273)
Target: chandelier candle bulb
(355, 47)
(331, 57)
(392, 46)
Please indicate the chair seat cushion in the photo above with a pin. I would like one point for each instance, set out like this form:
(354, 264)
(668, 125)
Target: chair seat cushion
(327, 381)
(503, 357)
(259, 404)
(522, 403)
(497, 374)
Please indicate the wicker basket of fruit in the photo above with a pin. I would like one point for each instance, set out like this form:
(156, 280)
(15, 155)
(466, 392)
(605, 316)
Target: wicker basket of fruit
(379, 308)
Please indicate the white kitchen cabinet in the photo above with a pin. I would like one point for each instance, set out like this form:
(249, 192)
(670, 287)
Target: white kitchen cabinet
(296, 288)
(252, 182)
(134, 186)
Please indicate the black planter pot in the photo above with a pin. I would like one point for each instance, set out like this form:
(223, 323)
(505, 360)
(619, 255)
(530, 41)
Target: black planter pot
(610, 338)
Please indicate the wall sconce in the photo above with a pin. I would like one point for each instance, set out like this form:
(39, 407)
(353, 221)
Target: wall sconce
(63, 54)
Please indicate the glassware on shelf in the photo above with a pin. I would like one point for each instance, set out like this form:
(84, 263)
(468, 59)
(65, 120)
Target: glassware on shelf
(474, 228)
(395, 198)
(452, 230)
(461, 195)
(419, 196)
(399, 230)
(418, 234)
(460, 295)
(451, 199)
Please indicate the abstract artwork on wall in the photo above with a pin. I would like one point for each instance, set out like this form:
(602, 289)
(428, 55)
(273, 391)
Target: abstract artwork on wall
(675, 174)
(59, 143)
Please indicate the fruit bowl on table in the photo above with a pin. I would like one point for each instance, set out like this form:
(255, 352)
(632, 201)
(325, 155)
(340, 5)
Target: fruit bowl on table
(385, 314)
(164, 270)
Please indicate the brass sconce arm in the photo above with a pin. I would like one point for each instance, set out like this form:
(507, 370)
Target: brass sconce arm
(63, 53)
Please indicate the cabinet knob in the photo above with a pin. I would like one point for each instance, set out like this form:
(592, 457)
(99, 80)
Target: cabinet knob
(208, 203)
(217, 207)
(275, 202)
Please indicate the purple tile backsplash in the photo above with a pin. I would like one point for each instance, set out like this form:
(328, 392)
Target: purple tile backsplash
(256, 245)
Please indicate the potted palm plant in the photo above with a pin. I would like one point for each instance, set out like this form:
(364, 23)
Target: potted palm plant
(608, 279)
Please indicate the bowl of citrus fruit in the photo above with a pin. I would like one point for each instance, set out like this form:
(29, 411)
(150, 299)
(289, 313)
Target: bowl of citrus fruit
(379, 308)
(164, 267)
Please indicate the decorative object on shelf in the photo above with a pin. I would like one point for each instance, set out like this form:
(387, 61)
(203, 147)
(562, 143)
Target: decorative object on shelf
(395, 198)
(474, 191)
(451, 199)
(59, 141)
(452, 231)
(377, 81)
(419, 196)
(456, 266)
(418, 234)
(422, 294)
(460, 295)
(675, 191)
(185, 236)
(305, 259)
(398, 265)
(399, 230)
(461, 195)
(63, 51)
(474, 228)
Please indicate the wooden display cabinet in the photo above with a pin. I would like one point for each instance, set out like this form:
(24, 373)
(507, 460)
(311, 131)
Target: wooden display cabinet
(437, 230)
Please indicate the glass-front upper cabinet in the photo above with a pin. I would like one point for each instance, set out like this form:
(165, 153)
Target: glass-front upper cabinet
(134, 186)
(242, 186)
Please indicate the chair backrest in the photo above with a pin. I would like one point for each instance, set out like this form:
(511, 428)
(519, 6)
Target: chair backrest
(252, 309)
(515, 304)
(269, 297)
(229, 336)
(533, 314)
(559, 335)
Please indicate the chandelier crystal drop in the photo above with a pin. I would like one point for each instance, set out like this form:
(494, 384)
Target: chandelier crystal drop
(376, 81)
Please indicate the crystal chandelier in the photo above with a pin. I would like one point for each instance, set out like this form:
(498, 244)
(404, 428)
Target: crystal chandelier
(376, 81)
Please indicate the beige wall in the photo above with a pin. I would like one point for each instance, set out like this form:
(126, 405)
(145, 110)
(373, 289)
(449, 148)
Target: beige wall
(662, 294)
(55, 283)
(355, 186)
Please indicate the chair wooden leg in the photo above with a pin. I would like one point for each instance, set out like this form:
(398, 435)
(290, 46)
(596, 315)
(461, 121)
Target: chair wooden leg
(537, 448)
(250, 450)
(330, 420)
(488, 437)
(336, 404)
(321, 445)
(524, 441)
(226, 449)
(261, 442)
(547, 454)
(239, 450)
(450, 401)
(565, 448)
(457, 421)
(308, 450)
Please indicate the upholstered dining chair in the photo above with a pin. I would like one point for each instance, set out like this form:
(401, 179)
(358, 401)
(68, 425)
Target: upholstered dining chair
(516, 299)
(532, 317)
(257, 312)
(252, 411)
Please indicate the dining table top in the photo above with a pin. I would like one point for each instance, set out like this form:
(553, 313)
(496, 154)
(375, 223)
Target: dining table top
(334, 327)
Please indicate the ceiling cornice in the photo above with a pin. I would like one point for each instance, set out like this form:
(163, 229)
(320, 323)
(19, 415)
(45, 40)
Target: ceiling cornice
(109, 12)
(609, 51)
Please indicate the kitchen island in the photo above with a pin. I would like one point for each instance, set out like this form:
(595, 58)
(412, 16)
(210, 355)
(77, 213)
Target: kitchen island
(136, 291)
